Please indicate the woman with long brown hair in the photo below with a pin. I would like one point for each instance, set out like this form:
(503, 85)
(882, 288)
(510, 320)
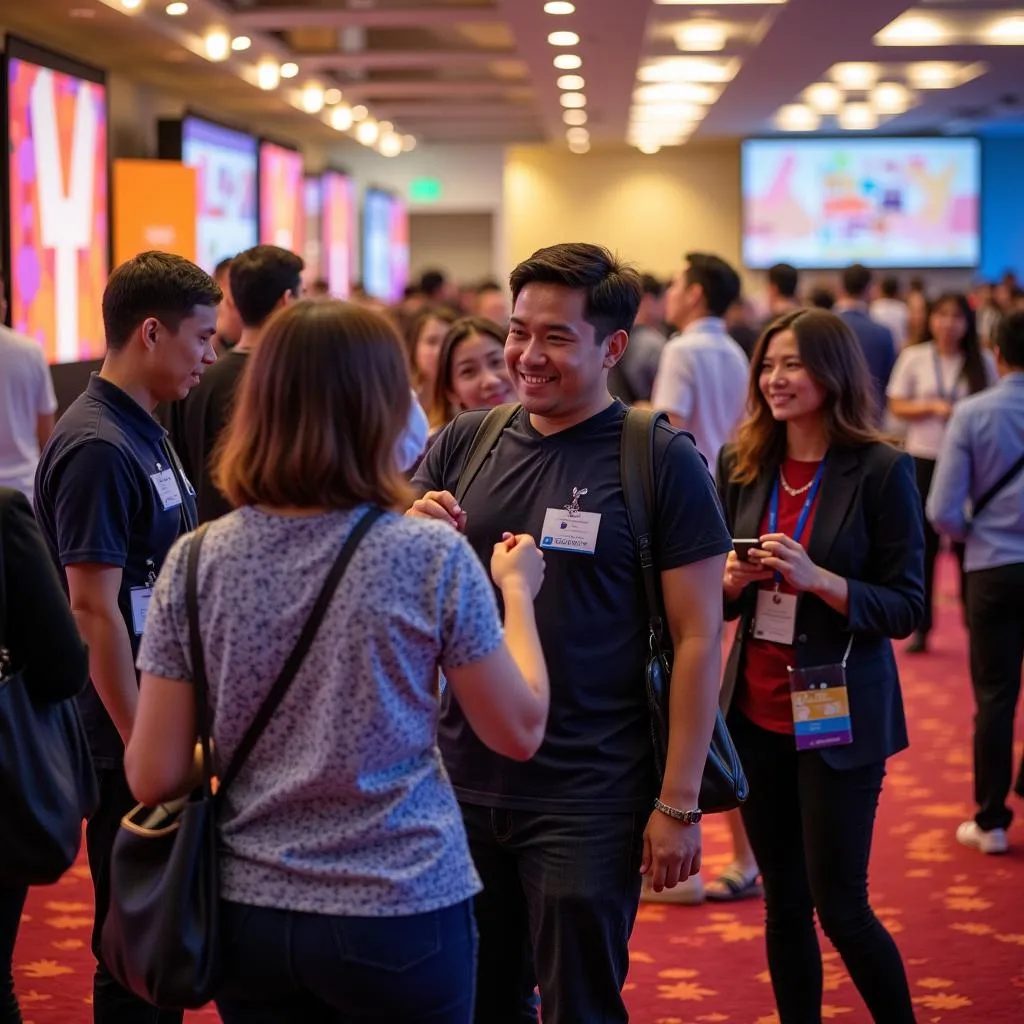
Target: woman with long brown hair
(826, 569)
(946, 365)
(424, 336)
(346, 877)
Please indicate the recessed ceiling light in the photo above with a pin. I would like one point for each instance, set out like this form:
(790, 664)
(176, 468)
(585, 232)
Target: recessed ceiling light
(824, 97)
(579, 147)
(568, 62)
(367, 132)
(268, 74)
(573, 99)
(578, 135)
(668, 112)
(574, 117)
(701, 36)
(913, 30)
(856, 76)
(177, 9)
(390, 144)
(563, 39)
(289, 69)
(797, 117)
(408, 143)
(717, 3)
(649, 147)
(857, 117)
(359, 112)
(313, 98)
(131, 5)
(688, 69)
(217, 45)
(240, 43)
(934, 74)
(559, 7)
(1006, 31)
(570, 82)
(687, 92)
(890, 98)
(332, 96)
(341, 117)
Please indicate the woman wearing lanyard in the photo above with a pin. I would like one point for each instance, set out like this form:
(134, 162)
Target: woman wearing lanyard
(811, 683)
(926, 382)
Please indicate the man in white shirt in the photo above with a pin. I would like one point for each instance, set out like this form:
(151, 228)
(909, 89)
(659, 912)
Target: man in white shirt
(27, 406)
(703, 375)
(891, 311)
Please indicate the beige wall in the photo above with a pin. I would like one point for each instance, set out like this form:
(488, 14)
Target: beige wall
(650, 209)
(460, 243)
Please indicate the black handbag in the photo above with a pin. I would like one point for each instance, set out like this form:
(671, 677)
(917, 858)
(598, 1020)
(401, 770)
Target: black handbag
(47, 782)
(724, 785)
(161, 937)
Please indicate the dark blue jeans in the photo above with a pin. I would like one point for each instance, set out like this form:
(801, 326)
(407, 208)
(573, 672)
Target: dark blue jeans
(560, 897)
(283, 967)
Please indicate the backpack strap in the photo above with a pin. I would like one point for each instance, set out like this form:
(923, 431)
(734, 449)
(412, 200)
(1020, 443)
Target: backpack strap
(997, 488)
(484, 442)
(636, 469)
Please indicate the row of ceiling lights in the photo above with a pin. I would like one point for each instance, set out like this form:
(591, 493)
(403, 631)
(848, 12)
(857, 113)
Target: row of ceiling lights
(572, 99)
(917, 29)
(218, 45)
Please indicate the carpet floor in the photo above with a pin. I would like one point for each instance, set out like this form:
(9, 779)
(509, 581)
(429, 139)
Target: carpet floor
(957, 915)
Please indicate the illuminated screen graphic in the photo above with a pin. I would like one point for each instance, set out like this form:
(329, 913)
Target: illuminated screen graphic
(338, 220)
(376, 244)
(883, 202)
(58, 209)
(282, 197)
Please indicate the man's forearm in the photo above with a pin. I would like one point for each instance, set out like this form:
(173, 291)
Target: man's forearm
(693, 702)
(111, 668)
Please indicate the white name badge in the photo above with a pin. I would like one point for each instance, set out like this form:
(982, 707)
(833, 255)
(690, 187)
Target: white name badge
(167, 489)
(564, 532)
(141, 596)
(775, 618)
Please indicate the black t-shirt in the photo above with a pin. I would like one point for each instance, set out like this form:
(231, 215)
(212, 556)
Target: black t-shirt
(97, 502)
(591, 613)
(196, 423)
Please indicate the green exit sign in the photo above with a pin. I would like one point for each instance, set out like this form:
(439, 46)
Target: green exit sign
(425, 190)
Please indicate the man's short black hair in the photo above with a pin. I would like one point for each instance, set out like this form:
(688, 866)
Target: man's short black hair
(719, 282)
(154, 284)
(431, 282)
(856, 280)
(259, 277)
(1010, 339)
(785, 278)
(222, 268)
(612, 288)
(652, 286)
(889, 286)
(823, 298)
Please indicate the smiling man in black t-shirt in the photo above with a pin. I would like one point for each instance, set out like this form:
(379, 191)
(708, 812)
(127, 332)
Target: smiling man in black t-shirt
(560, 841)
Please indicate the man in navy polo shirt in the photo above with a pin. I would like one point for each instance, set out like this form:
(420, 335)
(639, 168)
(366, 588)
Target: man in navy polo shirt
(111, 500)
(560, 841)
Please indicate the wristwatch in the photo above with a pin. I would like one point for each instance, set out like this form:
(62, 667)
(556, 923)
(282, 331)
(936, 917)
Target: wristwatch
(686, 817)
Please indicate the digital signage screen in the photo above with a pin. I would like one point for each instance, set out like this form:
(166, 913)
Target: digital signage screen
(886, 202)
(282, 197)
(399, 248)
(338, 229)
(377, 244)
(57, 201)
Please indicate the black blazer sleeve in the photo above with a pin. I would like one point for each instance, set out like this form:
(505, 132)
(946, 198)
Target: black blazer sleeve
(892, 603)
(40, 631)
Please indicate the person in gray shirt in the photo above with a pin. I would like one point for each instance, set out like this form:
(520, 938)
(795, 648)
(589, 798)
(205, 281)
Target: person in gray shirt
(982, 464)
(632, 378)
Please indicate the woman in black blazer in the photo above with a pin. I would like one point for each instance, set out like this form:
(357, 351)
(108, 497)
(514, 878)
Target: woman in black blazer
(836, 572)
(43, 640)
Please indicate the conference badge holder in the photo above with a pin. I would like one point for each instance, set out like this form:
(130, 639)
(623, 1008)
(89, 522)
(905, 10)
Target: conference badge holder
(821, 705)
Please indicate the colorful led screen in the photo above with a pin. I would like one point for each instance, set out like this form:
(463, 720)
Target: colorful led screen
(338, 224)
(282, 197)
(57, 211)
(819, 203)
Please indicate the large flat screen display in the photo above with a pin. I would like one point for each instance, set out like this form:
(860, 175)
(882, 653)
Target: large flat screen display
(57, 203)
(338, 221)
(377, 244)
(899, 203)
(282, 198)
(313, 211)
(225, 161)
(399, 248)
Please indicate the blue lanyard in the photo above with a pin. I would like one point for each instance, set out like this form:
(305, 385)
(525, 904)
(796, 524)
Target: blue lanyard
(805, 512)
(940, 384)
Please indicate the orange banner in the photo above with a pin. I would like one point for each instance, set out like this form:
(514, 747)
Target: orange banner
(154, 208)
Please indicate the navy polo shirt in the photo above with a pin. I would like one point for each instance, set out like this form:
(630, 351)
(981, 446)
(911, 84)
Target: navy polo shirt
(97, 502)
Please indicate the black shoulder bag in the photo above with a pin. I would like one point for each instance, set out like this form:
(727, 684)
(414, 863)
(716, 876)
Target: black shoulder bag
(724, 785)
(47, 782)
(161, 936)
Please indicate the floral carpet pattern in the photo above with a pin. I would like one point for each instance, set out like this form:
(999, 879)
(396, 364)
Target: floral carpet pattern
(957, 915)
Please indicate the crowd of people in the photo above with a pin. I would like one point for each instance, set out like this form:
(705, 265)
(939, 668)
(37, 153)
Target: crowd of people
(454, 810)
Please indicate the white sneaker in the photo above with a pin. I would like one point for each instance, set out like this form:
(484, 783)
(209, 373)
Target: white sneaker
(992, 841)
(689, 893)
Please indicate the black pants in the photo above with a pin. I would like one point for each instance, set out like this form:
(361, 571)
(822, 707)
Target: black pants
(113, 1004)
(560, 897)
(12, 901)
(810, 828)
(283, 967)
(995, 616)
(925, 470)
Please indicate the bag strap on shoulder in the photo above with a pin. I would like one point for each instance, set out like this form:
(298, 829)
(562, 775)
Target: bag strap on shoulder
(195, 643)
(291, 666)
(636, 468)
(993, 492)
(484, 442)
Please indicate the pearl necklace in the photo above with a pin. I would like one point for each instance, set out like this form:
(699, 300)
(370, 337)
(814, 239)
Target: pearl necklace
(793, 492)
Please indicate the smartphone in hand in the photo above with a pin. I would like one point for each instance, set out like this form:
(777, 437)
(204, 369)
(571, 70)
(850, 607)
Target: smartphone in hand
(743, 545)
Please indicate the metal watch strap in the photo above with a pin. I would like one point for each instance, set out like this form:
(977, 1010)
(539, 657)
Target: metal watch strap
(686, 817)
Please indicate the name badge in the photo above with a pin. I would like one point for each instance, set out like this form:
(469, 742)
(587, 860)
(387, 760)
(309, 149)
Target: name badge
(576, 532)
(821, 707)
(141, 596)
(775, 617)
(167, 489)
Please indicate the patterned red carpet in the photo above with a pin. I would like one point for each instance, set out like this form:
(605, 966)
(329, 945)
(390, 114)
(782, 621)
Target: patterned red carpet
(958, 916)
